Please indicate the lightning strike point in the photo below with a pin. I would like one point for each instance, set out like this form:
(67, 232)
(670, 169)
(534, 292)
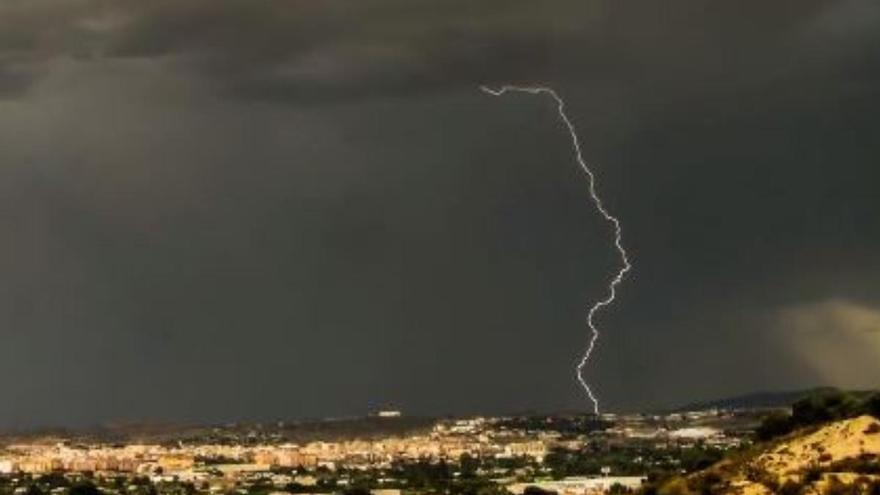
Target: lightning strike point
(597, 201)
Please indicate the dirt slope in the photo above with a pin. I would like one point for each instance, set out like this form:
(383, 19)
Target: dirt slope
(840, 457)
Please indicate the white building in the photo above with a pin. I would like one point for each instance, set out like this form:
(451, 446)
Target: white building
(696, 433)
(389, 414)
(581, 485)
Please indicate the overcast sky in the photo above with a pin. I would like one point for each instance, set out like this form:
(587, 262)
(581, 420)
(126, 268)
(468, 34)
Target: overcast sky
(267, 209)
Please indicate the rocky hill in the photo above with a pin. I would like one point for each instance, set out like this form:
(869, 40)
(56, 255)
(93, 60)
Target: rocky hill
(841, 457)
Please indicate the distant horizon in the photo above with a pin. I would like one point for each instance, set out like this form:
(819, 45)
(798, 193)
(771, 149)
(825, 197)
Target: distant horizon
(291, 421)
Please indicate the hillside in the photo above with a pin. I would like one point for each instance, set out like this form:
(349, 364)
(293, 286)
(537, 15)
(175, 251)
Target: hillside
(761, 400)
(366, 427)
(842, 457)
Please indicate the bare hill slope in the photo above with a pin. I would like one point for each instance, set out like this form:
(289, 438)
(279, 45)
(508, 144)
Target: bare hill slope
(842, 457)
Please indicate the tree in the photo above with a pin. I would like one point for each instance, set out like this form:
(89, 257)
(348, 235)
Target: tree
(468, 465)
(826, 405)
(84, 488)
(534, 490)
(359, 490)
(53, 480)
(872, 405)
(699, 458)
(774, 425)
(820, 407)
(618, 489)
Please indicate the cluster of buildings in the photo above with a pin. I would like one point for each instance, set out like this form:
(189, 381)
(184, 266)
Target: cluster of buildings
(447, 441)
(288, 463)
(710, 427)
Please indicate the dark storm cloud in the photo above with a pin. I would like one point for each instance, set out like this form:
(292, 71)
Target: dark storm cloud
(301, 51)
(203, 201)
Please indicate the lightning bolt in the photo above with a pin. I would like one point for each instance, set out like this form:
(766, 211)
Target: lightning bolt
(618, 232)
